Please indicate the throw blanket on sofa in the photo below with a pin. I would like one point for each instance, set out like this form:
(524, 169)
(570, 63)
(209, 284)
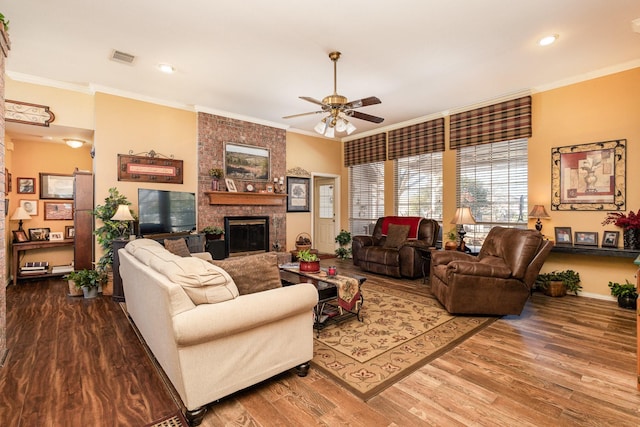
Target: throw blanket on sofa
(412, 221)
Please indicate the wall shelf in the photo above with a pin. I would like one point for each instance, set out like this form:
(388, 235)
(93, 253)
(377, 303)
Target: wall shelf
(586, 250)
(246, 198)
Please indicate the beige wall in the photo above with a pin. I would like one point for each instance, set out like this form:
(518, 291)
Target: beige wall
(124, 125)
(316, 156)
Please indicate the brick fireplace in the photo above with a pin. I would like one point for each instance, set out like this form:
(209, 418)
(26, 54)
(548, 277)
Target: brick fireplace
(213, 132)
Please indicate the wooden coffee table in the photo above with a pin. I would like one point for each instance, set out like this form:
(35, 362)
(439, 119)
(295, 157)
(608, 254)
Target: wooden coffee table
(327, 311)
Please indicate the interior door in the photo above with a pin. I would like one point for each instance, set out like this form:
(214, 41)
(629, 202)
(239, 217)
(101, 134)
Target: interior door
(324, 214)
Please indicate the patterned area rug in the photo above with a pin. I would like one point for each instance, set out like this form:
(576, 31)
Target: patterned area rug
(400, 332)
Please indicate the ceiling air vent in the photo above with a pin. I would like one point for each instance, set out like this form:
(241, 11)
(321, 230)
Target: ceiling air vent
(125, 58)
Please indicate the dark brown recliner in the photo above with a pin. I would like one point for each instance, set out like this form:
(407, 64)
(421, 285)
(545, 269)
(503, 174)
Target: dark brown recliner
(496, 282)
(370, 253)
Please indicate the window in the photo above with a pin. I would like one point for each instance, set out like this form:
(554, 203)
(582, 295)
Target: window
(418, 186)
(492, 181)
(366, 196)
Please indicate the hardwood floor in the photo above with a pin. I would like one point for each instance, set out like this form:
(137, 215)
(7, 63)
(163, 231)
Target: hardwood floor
(565, 361)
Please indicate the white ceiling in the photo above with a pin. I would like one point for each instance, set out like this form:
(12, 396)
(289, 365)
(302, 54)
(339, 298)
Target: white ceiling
(252, 58)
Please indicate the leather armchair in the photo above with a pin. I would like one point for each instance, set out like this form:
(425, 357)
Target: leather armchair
(496, 282)
(370, 253)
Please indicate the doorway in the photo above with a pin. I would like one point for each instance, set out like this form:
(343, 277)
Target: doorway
(324, 214)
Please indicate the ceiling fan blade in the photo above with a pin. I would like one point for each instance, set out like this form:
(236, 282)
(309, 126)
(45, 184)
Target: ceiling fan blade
(364, 116)
(372, 100)
(303, 114)
(312, 100)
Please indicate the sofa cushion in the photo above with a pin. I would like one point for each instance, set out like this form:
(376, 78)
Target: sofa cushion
(146, 249)
(203, 282)
(253, 273)
(396, 235)
(177, 247)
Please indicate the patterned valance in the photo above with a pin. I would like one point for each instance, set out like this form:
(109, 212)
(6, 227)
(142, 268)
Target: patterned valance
(421, 138)
(369, 149)
(499, 122)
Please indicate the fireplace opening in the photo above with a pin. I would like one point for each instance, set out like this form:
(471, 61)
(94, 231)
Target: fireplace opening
(245, 235)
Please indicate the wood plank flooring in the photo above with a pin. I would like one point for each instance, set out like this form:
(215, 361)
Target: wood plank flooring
(565, 362)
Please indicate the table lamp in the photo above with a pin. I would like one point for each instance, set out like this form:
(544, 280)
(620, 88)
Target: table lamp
(19, 215)
(538, 212)
(123, 214)
(463, 216)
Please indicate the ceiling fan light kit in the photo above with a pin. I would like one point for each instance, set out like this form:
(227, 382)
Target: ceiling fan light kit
(337, 107)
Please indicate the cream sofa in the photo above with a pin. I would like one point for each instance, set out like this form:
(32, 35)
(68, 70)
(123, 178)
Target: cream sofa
(209, 340)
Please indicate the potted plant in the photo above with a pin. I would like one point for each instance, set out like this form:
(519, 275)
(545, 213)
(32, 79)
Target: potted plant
(343, 239)
(626, 293)
(215, 174)
(5, 22)
(451, 244)
(630, 224)
(87, 280)
(558, 283)
(309, 262)
(108, 231)
(212, 232)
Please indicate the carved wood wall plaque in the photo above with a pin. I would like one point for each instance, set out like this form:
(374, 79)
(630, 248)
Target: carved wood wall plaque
(30, 114)
(149, 169)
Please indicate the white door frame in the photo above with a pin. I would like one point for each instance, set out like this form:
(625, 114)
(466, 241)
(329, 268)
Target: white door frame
(336, 224)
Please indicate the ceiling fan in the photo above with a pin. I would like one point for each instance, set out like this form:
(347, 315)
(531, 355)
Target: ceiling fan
(337, 106)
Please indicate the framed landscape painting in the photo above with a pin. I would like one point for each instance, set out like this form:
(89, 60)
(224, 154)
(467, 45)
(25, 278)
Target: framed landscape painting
(246, 162)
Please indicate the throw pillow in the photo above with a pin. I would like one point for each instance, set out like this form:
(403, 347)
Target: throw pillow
(396, 235)
(177, 247)
(253, 273)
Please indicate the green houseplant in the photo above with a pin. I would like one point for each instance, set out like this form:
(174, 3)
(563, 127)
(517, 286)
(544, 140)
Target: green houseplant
(309, 262)
(109, 230)
(452, 236)
(557, 283)
(212, 232)
(87, 280)
(343, 239)
(5, 22)
(626, 293)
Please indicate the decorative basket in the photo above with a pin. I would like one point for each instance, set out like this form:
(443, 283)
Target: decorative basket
(555, 289)
(303, 241)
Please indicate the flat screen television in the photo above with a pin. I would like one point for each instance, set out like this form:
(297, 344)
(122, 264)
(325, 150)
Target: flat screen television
(162, 211)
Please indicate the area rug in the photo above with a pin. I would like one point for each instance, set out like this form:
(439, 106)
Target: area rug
(400, 332)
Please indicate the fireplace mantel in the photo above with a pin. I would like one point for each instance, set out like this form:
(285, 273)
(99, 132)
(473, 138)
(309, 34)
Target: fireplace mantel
(246, 198)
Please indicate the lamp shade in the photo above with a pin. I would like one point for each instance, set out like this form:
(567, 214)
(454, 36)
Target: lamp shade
(20, 214)
(463, 216)
(122, 214)
(538, 211)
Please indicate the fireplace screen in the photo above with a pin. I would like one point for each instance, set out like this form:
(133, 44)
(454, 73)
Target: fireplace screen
(246, 234)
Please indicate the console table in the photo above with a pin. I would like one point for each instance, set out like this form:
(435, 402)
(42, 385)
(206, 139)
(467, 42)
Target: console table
(33, 245)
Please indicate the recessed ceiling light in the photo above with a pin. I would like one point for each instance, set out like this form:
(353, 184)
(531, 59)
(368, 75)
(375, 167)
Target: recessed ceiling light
(166, 68)
(546, 41)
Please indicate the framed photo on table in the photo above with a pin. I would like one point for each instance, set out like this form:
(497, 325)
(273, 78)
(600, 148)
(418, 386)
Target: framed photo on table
(20, 236)
(231, 185)
(69, 232)
(586, 238)
(39, 234)
(298, 192)
(610, 239)
(56, 236)
(563, 236)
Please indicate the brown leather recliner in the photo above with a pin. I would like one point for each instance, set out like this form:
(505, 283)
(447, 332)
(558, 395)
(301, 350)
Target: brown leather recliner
(370, 253)
(496, 282)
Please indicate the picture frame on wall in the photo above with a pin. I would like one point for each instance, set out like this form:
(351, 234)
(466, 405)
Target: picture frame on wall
(586, 238)
(589, 177)
(610, 239)
(246, 162)
(58, 211)
(563, 236)
(26, 185)
(56, 186)
(298, 192)
(30, 206)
